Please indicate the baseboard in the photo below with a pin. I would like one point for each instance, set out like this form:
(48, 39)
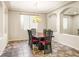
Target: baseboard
(16, 39)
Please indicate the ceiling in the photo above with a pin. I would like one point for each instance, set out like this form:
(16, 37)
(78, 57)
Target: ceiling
(36, 6)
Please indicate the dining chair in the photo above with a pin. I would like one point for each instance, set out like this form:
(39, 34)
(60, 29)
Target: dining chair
(49, 39)
(47, 42)
(33, 31)
(32, 40)
(45, 32)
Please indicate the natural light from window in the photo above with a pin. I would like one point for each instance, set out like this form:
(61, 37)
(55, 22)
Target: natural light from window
(27, 22)
(65, 22)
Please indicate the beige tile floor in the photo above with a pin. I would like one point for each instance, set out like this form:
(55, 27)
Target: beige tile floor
(22, 49)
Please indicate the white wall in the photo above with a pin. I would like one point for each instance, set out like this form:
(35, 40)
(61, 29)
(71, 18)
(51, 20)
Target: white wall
(4, 27)
(69, 40)
(15, 30)
(75, 24)
(51, 22)
(1, 21)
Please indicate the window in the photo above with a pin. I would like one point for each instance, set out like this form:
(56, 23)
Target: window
(27, 22)
(65, 22)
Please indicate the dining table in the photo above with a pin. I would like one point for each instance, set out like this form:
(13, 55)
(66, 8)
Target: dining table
(40, 37)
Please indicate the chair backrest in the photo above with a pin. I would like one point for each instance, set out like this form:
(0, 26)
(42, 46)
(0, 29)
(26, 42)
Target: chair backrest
(50, 32)
(30, 34)
(33, 31)
(45, 32)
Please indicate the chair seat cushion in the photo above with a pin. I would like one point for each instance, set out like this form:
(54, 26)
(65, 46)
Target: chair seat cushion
(34, 40)
(45, 42)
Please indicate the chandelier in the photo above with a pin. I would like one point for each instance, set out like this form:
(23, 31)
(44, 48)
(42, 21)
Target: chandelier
(36, 19)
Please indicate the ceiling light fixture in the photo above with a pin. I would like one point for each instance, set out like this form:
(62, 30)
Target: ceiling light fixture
(36, 4)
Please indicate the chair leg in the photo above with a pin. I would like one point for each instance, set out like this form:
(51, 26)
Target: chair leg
(44, 49)
(50, 48)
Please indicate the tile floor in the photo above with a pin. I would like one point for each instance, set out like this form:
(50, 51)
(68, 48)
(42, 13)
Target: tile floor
(22, 49)
(17, 49)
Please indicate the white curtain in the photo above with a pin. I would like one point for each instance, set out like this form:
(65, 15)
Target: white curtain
(27, 22)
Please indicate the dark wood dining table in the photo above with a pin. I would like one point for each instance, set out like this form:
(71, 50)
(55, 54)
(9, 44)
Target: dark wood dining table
(41, 35)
